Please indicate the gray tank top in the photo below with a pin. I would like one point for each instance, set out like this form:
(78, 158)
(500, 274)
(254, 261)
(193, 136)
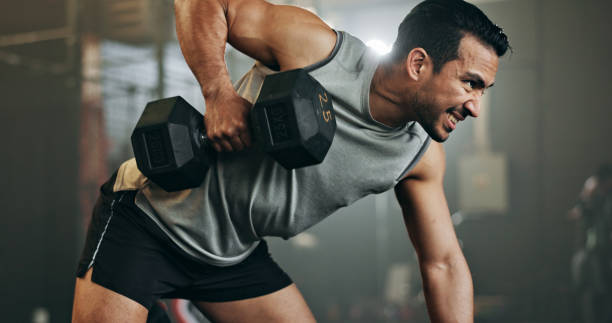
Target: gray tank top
(247, 195)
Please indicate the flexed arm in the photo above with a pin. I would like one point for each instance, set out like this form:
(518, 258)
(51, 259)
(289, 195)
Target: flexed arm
(286, 36)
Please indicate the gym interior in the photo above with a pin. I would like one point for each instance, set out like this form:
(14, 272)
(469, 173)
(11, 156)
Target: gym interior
(75, 76)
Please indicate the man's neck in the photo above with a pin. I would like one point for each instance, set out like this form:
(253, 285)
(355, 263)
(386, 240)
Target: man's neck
(387, 93)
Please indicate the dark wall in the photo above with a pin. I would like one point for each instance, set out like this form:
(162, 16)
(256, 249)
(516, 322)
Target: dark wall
(40, 223)
(576, 101)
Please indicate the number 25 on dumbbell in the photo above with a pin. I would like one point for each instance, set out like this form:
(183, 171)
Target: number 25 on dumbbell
(293, 120)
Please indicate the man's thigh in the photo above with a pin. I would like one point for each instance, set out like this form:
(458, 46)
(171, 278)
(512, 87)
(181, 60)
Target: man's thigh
(96, 304)
(285, 305)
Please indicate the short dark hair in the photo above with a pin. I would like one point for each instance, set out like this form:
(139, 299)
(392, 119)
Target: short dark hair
(438, 27)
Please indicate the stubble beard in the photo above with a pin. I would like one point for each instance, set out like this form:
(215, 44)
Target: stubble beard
(428, 118)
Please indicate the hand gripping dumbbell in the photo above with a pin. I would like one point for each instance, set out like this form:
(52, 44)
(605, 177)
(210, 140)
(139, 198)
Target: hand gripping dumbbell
(293, 119)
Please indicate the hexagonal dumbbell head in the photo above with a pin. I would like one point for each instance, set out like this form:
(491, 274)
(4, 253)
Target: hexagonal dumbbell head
(294, 119)
(169, 144)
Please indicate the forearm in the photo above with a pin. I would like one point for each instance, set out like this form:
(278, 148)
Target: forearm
(449, 291)
(202, 31)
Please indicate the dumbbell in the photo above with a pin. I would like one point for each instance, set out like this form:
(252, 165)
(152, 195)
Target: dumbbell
(293, 120)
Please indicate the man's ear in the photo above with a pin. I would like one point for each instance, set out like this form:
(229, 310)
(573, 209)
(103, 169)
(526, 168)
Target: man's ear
(417, 63)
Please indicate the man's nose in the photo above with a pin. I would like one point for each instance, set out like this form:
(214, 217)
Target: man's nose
(473, 107)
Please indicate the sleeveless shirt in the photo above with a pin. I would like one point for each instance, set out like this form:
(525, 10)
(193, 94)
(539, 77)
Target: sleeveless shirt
(246, 195)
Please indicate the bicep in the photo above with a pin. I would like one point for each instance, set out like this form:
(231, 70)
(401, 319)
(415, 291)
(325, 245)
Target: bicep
(426, 214)
(287, 36)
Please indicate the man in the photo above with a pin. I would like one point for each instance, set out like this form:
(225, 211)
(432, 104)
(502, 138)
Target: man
(591, 265)
(205, 244)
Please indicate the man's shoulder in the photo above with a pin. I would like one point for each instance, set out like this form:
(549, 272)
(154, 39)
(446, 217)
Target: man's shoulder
(431, 165)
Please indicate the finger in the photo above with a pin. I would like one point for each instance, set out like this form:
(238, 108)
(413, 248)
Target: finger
(219, 143)
(246, 138)
(237, 143)
(226, 145)
(216, 146)
(216, 141)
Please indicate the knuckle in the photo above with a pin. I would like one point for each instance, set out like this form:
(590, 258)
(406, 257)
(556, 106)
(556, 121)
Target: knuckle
(232, 131)
(214, 136)
(241, 126)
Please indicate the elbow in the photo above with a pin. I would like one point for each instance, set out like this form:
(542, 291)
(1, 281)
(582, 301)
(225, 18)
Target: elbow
(180, 7)
(179, 4)
(446, 265)
(448, 274)
(200, 4)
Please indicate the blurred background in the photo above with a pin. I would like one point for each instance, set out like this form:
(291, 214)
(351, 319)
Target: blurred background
(75, 76)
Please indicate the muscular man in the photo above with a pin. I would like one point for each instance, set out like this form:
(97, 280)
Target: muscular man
(205, 244)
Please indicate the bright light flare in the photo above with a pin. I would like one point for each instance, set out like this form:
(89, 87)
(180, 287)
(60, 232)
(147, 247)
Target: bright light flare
(379, 46)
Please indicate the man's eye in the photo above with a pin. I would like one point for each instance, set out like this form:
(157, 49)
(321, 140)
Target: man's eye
(470, 83)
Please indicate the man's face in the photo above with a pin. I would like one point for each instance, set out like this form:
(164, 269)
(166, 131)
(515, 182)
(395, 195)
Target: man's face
(448, 97)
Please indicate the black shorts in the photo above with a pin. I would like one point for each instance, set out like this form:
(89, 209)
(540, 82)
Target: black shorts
(132, 256)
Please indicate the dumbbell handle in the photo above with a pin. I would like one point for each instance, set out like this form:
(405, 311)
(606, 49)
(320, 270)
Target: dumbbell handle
(203, 141)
